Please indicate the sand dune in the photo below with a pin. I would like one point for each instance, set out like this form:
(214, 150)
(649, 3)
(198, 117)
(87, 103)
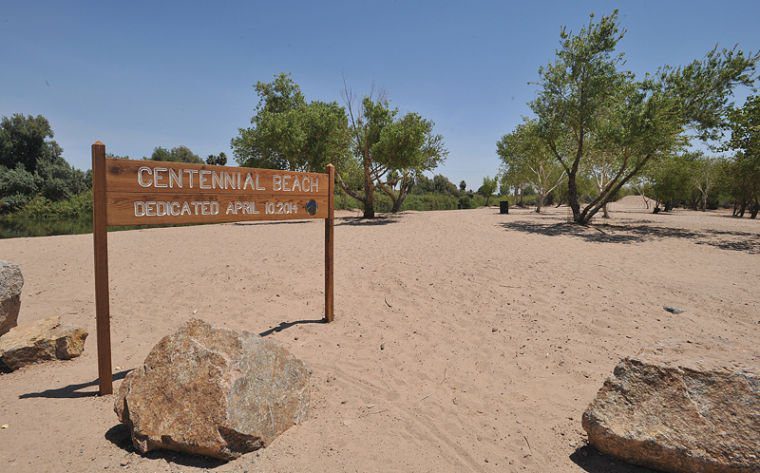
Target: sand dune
(463, 340)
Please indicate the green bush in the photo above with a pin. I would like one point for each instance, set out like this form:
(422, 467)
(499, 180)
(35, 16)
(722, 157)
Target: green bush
(430, 201)
(78, 206)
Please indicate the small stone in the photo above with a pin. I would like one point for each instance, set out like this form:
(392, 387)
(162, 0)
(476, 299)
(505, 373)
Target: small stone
(673, 310)
(382, 346)
(4, 426)
(43, 340)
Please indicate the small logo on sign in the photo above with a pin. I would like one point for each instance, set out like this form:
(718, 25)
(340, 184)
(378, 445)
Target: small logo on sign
(311, 207)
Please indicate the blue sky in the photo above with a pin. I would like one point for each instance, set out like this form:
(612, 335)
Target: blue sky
(137, 75)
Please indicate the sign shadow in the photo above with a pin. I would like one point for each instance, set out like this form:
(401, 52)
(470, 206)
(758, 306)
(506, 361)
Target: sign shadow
(286, 325)
(73, 391)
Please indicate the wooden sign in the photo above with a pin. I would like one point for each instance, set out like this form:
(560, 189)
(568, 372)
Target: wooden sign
(129, 192)
(151, 192)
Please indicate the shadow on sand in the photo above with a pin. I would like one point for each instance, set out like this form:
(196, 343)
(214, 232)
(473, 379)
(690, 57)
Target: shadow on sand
(73, 391)
(592, 461)
(286, 325)
(119, 436)
(636, 231)
(365, 222)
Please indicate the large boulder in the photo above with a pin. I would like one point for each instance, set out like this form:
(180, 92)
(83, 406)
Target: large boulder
(213, 392)
(43, 340)
(678, 419)
(11, 282)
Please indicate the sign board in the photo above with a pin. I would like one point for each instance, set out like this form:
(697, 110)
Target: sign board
(152, 192)
(127, 192)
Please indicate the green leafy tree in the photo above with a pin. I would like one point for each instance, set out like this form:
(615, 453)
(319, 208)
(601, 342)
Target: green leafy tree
(217, 160)
(744, 172)
(17, 187)
(442, 185)
(704, 176)
(389, 152)
(587, 105)
(671, 181)
(289, 133)
(526, 160)
(31, 164)
(26, 140)
(178, 154)
(462, 186)
(490, 184)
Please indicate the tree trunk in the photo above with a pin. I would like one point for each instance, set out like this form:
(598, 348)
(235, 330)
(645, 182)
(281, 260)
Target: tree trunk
(369, 191)
(539, 202)
(572, 198)
(605, 213)
(704, 201)
(755, 210)
(399, 201)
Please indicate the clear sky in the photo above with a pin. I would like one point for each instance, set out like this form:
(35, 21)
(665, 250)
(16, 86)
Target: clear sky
(137, 74)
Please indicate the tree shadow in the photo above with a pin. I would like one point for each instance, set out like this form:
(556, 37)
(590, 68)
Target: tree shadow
(366, 222)
(748, 246)
(286, 325)
(636, 232)
(593, 461)
(72, 391)
(119, 435)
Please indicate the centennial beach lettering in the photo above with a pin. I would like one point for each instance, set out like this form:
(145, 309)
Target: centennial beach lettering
(209, 179)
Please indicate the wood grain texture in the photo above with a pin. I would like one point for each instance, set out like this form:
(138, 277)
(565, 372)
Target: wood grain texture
(167, 209)
(169, 177)
(100, 245)
(330, 247)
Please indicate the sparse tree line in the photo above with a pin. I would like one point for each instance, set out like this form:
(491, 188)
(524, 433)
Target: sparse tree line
(598, 131)
(381, 155)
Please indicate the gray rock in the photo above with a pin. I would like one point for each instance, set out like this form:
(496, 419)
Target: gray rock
(11, 282)
(213, 392)
(43, 340)
(678, 419)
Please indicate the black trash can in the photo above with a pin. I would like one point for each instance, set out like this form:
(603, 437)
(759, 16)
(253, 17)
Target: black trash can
(503, 207)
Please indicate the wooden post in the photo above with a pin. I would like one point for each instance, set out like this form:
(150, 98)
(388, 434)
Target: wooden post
(329, 244)
(100, 243)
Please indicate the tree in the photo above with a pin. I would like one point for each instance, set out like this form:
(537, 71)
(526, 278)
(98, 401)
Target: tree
(217, 160)
(526, 160)
(671, 181)
(442, 185)
(587, 106)
(389, 152)
(488, 188)
(462, 186)
(26, 140)
(704, 176)
(289, 133)
(744, 172)
(180, 154)
(31, 164)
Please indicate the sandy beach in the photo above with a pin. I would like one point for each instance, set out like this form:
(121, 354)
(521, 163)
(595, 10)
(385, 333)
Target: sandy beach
(463, 340)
